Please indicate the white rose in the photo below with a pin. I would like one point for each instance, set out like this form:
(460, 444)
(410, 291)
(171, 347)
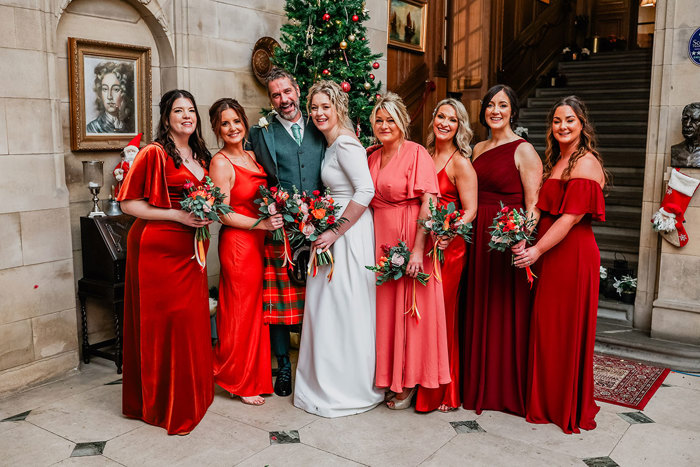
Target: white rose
(263, 122)
(429, 224)
(272, 209)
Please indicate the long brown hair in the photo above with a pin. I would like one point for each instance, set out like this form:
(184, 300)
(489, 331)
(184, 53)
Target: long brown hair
(587, 141)
(196, 142)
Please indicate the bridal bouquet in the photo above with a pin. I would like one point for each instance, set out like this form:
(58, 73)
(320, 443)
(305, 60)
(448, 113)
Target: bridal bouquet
(445, 221)
(205, 202)
(392, 266)
(509, 227)
(315, 214)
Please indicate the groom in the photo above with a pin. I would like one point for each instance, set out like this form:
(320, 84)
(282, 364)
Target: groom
(290, 151)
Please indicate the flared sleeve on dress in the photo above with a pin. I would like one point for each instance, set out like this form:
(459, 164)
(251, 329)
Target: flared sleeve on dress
(146, 178)
(422, 177)
(353, 162)
(583, 196)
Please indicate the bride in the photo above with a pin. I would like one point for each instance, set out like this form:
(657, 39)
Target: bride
(335, 372)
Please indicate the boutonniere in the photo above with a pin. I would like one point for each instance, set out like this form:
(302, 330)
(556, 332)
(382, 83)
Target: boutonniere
(264, 122)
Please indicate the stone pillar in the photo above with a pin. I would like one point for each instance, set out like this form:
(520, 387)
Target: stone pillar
(668, 295)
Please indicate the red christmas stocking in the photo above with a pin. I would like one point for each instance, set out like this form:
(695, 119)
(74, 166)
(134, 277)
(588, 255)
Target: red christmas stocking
(668, 220)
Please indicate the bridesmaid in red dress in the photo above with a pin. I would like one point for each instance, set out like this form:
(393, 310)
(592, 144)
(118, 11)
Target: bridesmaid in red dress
(410, 351)
(449, 146)
(560, 373)
(242, 364)
(497, 296)
(167, 337)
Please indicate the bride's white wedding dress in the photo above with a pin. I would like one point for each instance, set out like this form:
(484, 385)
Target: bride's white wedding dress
(335, 371)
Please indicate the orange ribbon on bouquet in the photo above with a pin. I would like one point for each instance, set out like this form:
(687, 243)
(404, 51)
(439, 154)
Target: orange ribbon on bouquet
(312, 269)
(199, 254)
(413, 309)
(436, 264)
(287, 255)
(530, 276)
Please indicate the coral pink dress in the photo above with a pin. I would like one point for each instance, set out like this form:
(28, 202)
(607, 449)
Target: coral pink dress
(560, 376)
(451, 271)
(242, 362)
(497, 296)
(410, 351)
(167, 380)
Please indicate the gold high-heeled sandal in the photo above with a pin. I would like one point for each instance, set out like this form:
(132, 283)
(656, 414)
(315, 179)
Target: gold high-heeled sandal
(401, 404)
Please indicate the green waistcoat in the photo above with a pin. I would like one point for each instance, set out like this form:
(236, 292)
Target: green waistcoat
(299, 165)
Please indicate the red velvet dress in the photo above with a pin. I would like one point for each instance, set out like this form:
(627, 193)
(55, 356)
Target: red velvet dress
(242, 362)
(497, 297)
(451, 271)
(560, 376)
(167, 336)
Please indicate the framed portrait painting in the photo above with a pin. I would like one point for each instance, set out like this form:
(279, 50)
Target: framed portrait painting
(110, 94)
(407, 22)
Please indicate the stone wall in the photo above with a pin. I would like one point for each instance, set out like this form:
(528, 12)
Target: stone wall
(200, 45)
(668, 295)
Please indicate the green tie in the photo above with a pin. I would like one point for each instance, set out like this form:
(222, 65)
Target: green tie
(296, 131)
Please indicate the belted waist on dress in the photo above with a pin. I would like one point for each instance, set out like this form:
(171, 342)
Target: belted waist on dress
(379, 203)
(487, 197)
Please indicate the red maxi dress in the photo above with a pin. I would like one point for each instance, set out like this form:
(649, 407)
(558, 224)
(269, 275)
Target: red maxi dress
(410, 351)
(560, 376)
(451, 271)
(497, 297)
(242, 363)
(167, 336)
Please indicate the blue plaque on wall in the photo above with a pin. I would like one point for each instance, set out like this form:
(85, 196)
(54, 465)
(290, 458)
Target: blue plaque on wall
(694, 47)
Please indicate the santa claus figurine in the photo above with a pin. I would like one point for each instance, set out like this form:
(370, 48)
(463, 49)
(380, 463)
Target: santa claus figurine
(128, 156)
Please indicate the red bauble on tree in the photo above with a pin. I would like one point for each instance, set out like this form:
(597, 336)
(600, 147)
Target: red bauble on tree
(345, 85)
(371, 76)
(326, 17)
(355, 18)
(326, 72)
(375, 65)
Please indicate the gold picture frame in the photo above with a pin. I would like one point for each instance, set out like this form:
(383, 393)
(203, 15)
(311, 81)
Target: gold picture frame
(407, 23)
(110, 94)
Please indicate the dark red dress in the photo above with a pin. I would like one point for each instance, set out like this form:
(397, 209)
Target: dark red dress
(497, 297)
(242, 362)
(167, 336)
(560, 376)
(451, 271)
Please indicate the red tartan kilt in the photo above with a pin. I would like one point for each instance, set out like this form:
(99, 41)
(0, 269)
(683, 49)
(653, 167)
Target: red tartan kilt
(283, 302)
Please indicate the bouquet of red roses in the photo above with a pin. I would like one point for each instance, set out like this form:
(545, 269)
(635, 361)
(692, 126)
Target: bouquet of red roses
(205, 202)
(392, 266)
(445, 221)
(509, 227)
(276, 200)
(316, 214)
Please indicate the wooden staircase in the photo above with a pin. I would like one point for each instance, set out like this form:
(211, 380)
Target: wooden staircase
(615, 86)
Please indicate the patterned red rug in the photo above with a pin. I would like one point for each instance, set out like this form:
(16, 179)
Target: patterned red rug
(625, 382)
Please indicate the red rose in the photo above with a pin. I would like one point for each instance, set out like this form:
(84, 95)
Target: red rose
(315, 192)
(331, 219)
(273, 189)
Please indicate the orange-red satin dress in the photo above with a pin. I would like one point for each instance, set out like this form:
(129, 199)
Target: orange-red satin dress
(565, 310)
(242, 362)
(451, 271)
(410, 351)
(167, 377)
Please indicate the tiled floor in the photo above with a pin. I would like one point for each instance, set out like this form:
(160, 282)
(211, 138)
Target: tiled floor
(77, 421)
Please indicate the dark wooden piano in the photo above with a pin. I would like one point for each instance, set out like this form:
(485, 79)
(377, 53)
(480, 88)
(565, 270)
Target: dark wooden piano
(103, 241)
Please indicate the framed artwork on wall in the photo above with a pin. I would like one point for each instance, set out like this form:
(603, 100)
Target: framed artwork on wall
(110, 94)
(407, 22)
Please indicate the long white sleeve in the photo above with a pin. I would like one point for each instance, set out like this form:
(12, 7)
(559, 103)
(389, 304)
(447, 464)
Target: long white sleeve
(352, 159)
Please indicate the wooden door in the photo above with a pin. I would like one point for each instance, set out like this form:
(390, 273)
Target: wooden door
(613, 18)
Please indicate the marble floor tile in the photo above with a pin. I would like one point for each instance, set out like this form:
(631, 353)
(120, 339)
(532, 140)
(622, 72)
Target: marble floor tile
(485, 449)
(91, 461)
(276, 414)
(453, 416)
(26, 444)
(94, 415)
(98, 372)
(653, 444)
(380, 436)
(675, 406)
(685, 381)
(293, 455)
(594, 443)
(217, 440)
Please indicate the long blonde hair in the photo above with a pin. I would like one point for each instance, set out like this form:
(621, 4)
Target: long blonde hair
(587, 141)
(464, 133)
(337, 96)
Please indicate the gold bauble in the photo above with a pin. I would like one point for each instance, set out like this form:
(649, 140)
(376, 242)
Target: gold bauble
(343, 45)
(351, 37)
(367, 86)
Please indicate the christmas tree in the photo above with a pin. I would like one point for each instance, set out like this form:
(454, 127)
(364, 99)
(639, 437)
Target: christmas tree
(325, 39)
